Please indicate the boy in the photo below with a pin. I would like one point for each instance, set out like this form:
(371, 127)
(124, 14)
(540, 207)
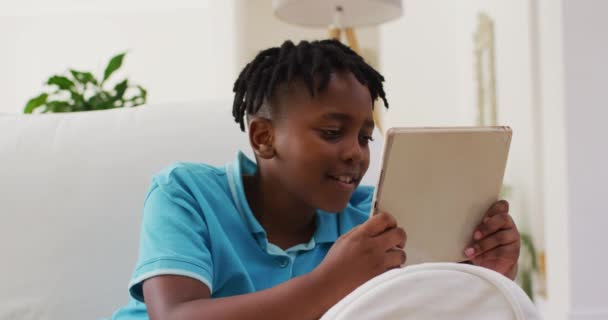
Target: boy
(286, 236)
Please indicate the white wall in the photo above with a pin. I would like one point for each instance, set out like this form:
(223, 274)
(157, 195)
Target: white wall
(585, 77)
(573, 94)
(428, 61)
(557, 235)
(180, 50)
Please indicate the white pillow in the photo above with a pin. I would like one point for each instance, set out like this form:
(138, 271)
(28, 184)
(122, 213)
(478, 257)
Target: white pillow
(447, 291)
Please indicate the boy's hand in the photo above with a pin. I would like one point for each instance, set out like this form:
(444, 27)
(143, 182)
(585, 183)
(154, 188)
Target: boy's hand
(361, 254)
(496, 241)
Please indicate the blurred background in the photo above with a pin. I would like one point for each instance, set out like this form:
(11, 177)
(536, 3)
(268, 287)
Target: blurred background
(538, 66)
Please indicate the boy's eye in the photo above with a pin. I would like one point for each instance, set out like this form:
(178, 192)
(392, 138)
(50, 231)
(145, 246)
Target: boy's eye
(335, 134)
(330, 134)
(364, 140)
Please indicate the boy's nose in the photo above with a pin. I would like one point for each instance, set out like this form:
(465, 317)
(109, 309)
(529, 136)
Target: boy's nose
(352, 150)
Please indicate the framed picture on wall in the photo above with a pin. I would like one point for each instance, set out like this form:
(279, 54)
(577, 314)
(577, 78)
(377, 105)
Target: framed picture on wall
(485, 71)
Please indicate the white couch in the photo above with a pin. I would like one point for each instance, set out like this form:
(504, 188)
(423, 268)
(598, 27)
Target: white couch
(71, 193)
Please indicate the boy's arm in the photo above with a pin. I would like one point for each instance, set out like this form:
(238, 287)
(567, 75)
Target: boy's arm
(359, 255)
(178, 297)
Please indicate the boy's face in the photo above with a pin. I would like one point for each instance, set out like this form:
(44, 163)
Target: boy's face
(321, 143)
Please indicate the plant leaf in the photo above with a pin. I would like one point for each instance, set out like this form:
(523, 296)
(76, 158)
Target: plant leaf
(120, 89)
(83, 77)
(61, 82)
(100, 101)
(526, 284)
(144, 93)
(114, 64)
(528, 244)
(138, 102)
(35, 103)
(78, 102)
(60, 106)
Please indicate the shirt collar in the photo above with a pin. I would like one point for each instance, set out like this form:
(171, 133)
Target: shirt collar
(244, 166)
(327, 227)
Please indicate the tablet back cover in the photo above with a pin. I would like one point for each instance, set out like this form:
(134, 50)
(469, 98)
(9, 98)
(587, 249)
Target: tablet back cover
(439, 183)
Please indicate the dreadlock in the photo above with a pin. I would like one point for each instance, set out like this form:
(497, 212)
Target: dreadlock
(273, 66)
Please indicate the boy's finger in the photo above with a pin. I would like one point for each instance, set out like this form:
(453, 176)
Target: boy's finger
(378, 223)
(392, 238)
(499, 207)
(395, 258)
(491, 225)
(508, 252)
(500, 238)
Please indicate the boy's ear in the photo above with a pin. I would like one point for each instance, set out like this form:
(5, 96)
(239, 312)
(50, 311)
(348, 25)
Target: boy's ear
(261, 137)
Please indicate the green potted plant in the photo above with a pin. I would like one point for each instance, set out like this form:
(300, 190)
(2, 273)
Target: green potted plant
(529, 266)
(82, 91)
(528, 262)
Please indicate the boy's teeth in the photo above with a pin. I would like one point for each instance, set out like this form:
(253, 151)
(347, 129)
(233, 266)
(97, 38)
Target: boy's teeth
(345, 179)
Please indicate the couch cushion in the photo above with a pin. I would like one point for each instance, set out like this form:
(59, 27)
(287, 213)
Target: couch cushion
(71, 194)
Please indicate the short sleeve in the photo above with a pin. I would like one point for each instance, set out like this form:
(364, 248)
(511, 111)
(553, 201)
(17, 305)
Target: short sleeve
(174, 238)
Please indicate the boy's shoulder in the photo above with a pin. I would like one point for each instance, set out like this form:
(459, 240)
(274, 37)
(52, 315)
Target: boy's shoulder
(190, 176)
(183, 169)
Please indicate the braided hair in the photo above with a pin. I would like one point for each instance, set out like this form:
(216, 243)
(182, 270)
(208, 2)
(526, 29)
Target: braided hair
(273, 66)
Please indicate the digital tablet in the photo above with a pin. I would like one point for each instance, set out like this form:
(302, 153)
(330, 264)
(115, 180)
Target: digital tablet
(439, 183)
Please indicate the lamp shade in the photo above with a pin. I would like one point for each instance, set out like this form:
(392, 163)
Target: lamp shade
(322, 13)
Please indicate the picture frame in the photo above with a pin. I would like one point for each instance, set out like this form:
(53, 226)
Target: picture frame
(485, 71)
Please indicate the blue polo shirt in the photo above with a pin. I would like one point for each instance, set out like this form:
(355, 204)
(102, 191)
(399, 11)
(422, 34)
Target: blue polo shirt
(197, 223)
